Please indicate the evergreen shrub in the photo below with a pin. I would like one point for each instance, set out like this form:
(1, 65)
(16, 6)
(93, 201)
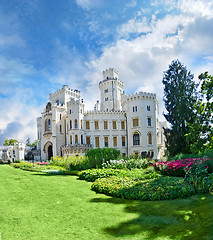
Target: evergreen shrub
(99, 155)
(161, 188)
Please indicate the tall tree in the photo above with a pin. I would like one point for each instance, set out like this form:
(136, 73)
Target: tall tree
(201, 131)
(179, 98)
(10, 142)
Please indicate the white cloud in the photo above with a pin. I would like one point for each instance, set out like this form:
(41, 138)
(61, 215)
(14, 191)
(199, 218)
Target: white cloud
(203, 8)
(87, 4)
(142, 61)
(18, 116)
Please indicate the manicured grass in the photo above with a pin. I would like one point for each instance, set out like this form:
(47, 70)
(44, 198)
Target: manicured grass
(39, 206)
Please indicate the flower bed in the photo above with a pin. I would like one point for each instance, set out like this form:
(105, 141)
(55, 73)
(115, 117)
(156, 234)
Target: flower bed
(177, 168)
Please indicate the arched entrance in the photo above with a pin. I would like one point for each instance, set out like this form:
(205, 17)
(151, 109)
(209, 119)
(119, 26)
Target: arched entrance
(50, 152)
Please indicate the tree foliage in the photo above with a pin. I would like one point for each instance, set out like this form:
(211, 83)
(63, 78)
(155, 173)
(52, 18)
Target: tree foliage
(180, 98)
(10, 142)
(201, 131)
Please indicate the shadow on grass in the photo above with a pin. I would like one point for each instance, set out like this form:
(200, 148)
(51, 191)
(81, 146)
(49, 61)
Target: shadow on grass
(189, 218)
(48, 174)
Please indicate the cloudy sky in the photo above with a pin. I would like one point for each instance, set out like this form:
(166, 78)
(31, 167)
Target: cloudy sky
(47, 43)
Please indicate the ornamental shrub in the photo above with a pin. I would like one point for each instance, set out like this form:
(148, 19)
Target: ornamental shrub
(136, 174)
(129, 164)
(161, 188)
(71, 162)
(176, 168)
(199, 178)
(23, 165)
(99, 155)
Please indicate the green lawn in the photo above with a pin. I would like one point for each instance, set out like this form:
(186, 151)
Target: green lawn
(38, 206)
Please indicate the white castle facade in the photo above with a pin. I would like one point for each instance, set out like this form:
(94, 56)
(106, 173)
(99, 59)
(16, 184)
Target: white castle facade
(126, 122)
(12, 153)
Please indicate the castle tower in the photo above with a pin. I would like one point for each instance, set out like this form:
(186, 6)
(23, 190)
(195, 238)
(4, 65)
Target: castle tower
(111, 90)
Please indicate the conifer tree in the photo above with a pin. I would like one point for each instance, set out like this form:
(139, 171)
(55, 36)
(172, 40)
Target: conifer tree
(179, 98)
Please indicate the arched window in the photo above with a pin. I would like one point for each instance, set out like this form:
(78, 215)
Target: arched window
(136, 138)
(45, 125)
(49, 125)
(76, 123)
(149, 138)
(76, 139)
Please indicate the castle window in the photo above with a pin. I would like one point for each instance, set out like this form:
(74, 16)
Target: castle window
(135, 122)
(87, 140)
(136, 139)
(49, 125)
(96, 125)
(76, 139)
(105, 125)
(106, 90)
(71, 139)
(114, 124)
(60, 129)
(87, 125)
(106, 141)
(60, 116)
(122, 125)
(115, 144)
(81, 123)
(70, 124)
(123, 141)
(135, 109)
(148, 108)
(106, 99)
(149, 121)
(76, 123)
(70, 111)
(149, 138)
(97, 141)
(81, 110)
(82, 141)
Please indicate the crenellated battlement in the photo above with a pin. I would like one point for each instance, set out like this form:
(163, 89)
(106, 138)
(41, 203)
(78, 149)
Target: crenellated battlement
(75, 93)
(139, 95)
(104, 112)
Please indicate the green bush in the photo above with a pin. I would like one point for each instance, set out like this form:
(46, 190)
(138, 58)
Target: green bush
(161, 188)
(23, 165)
(17, 161)
(129, 164)
(71, 163)
(139, 163)
(99, 155)
(199, 178)
(208, 153)
(136, 174)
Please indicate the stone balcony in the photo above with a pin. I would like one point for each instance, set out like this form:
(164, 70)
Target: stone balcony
(75, 148)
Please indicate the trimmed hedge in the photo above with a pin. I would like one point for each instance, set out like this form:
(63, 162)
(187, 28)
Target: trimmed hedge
(161, 188)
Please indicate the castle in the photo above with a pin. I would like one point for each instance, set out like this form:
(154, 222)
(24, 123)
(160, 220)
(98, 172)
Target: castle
(125, 122)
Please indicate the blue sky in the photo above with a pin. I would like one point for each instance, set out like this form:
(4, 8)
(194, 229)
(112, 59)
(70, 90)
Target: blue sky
(47, 43)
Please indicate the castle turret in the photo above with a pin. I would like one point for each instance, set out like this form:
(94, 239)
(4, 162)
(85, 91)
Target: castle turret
(111, 90)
